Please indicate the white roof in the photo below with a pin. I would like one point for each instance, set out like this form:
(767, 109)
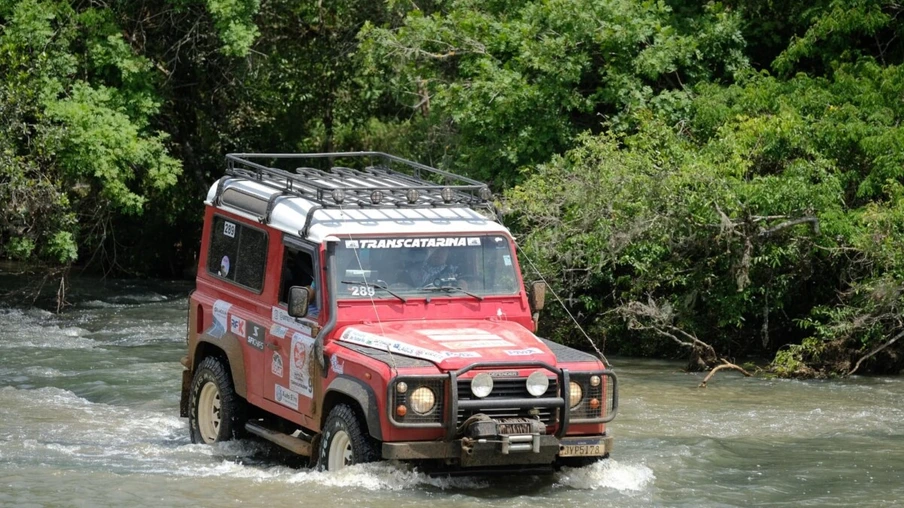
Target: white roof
(289, 215)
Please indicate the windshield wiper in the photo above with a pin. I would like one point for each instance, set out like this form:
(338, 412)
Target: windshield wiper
(375, 286)
(449, 289)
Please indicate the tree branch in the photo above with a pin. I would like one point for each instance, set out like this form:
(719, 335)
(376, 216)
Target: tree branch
(791, 223)
(874, 351)
(726, 365)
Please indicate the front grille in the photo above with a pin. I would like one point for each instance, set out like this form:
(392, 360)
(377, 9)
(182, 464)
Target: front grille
(509, 388)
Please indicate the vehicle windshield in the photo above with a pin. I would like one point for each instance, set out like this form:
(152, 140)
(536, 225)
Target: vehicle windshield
(466, 266)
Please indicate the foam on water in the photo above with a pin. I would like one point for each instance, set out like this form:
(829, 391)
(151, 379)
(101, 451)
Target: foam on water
(607, 474)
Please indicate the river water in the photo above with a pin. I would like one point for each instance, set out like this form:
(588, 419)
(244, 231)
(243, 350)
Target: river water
(89, 417)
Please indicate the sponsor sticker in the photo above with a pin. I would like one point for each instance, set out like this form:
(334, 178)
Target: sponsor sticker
(473, 241)
(220, 311)
(278, 331)
(476, 344)
(465, 338)
(338, 368)
(300, 365)
(282, 317)
(224, 267)
(524, 352)
(237, 325)
(276, 366)
(462, 354)
(354, 336)
(411, 243)
(286, 397)
(256, 336)
(375, 341)
(507, 260)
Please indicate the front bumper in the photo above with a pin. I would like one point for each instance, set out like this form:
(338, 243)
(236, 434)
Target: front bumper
(500, 450)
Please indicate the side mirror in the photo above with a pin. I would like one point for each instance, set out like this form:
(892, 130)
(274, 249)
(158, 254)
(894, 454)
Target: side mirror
(536, 295)
(299, 299)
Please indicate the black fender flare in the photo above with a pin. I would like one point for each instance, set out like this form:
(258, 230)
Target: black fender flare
(364, 395)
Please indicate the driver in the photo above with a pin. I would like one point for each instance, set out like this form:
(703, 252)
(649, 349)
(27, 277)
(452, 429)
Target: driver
(435, 266)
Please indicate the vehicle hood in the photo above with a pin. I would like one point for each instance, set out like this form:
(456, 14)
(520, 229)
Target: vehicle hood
(452, 345)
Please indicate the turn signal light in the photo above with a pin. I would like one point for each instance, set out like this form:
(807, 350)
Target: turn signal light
(401, 411)
(594, 403)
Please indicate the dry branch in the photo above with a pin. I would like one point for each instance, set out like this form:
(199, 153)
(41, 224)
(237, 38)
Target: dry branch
(874, 351)
(726, 365)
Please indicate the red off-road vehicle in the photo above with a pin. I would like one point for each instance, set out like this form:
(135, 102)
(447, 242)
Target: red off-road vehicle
(370, 308)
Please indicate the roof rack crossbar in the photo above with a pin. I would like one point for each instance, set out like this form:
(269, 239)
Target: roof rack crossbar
(394, 187)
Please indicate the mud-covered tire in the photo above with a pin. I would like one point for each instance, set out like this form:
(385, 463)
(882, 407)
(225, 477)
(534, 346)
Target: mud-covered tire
(216, 413)
(345, 441)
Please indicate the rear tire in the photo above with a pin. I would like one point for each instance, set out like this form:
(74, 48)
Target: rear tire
(345, 441)
(216, 413)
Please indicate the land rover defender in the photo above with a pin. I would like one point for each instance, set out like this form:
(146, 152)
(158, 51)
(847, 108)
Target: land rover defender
(353, 307)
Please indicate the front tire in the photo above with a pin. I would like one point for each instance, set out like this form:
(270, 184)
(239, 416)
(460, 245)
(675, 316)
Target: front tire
(345, 441)
(216, 412)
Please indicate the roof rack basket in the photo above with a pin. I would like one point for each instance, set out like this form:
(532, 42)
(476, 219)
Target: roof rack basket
(380, 180)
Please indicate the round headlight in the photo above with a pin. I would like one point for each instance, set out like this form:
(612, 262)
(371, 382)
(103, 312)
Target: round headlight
(402, 387)
(481, 385)
(537, 383)
(422, 400)
(576, 393)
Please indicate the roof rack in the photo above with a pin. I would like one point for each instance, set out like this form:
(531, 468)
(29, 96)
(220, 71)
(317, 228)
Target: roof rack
(372, 185)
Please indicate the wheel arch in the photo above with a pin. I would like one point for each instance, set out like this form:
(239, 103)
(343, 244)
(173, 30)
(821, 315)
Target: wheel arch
(358, 395)
(227, 351)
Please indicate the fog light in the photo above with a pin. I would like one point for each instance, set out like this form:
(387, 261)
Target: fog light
(338, 196)
(575, 394)
(485, 193)
(482, 385)
(447, 194)
(412, 196)
(537, 383)
(401, 387)
(376, 197)
(594, 380)
(401, 410)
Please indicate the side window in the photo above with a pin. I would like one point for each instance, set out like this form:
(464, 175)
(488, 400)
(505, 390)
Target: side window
(238, 253)
(298, 270)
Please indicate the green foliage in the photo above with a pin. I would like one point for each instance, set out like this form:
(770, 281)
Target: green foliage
(234, 20)
(76, 142)
(518, 83)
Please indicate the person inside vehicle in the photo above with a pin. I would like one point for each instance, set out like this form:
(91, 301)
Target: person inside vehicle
(299, 271)
(434, 267)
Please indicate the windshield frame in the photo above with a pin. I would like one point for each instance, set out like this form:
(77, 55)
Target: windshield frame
(477, 266)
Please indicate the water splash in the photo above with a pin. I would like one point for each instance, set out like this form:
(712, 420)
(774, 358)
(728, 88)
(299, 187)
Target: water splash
(606, 474)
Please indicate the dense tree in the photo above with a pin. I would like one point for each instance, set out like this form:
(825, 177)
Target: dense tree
(76, 142)
(729, 173)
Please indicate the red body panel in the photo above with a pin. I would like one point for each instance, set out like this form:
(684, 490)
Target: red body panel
(460, 327)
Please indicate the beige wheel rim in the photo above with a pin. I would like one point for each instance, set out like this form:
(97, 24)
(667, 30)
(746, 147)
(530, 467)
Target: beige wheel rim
(209, 413)
(341, 454)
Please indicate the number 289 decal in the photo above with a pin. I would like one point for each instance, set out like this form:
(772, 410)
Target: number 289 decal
(361, 290)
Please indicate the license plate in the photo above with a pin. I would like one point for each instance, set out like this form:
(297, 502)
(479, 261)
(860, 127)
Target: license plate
(582, 450)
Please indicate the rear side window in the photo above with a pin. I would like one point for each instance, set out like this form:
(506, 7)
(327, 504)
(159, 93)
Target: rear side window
(238, 253)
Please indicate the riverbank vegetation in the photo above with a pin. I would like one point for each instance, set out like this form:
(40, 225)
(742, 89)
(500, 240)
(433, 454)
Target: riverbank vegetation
(728, 172)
